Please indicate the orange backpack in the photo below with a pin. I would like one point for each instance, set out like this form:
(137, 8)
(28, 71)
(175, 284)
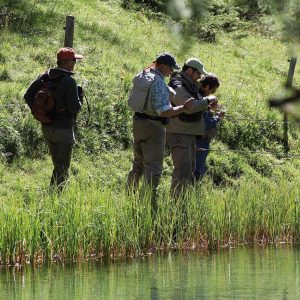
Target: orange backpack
(40, 97)
(43, 105)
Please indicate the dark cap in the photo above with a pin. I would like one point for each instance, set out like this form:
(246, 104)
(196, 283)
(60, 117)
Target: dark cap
(167, 59)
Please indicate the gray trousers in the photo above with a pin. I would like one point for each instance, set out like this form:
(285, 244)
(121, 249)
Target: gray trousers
(183, 152)
(149, 148)
(60, 143)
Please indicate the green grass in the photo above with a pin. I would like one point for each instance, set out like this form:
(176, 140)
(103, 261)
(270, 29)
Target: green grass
(95, 217)
(247, 196)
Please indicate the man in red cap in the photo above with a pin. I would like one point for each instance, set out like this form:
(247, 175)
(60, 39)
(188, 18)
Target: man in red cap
(59, 134)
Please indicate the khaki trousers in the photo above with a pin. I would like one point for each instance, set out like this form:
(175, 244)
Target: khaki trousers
(183, 153)
(149, 147)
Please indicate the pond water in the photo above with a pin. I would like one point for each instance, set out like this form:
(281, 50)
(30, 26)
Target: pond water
(239, 273)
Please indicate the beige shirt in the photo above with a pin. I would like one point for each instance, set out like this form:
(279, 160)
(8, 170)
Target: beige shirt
(181, 127)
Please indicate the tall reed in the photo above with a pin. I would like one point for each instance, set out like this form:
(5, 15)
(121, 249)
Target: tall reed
(90, 221)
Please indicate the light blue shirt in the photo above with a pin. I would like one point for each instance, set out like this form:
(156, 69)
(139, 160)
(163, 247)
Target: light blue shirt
(160, 94)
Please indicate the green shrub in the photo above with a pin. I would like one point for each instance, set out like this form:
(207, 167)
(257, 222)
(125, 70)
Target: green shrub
(252, 132)
(225, 167)
(10, 140)
(252, 9)
(110, 128)
(31, 136)
(23, 15)
(4, 74)
(155, 5)
(2, 58)
(262, 164)
(15, 14)
(216, 21)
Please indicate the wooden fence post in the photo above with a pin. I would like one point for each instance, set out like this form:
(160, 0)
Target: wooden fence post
(289, 84)
(69, 31)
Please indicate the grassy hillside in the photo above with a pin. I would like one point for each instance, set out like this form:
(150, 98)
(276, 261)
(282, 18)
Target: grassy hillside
(116, 44)
(246, 162)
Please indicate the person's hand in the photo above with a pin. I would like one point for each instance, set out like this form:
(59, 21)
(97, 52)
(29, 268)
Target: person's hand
(215, 106)
(212, 99)
(80, 93)
(188, 104)
(221, 114)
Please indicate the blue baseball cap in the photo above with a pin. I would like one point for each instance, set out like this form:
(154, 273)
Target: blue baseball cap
(167, 59)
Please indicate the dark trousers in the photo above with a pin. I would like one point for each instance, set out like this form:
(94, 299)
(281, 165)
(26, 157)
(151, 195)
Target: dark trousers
(202, 146)
(60, 143)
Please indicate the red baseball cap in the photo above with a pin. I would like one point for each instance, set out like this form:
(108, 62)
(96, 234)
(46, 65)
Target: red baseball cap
(68, 53)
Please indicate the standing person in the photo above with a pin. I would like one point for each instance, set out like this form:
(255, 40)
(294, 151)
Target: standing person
(182, 130)
(208, 85)
(59, 133)
(149, 98)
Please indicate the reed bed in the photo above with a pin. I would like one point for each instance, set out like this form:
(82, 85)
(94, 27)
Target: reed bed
(92, 221)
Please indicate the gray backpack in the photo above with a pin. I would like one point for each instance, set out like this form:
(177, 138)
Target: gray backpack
(138, 98)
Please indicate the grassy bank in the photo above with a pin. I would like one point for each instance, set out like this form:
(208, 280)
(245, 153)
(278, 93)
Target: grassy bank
(251, 194)
(95, 217)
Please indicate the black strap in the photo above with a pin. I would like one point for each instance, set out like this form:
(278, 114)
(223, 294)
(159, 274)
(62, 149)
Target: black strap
(147, 96)
(163, 120)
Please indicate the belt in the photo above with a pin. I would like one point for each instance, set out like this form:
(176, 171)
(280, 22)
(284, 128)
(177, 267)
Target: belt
(163, 120)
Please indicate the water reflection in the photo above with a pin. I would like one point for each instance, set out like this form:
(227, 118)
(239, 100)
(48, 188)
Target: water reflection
(244, 273)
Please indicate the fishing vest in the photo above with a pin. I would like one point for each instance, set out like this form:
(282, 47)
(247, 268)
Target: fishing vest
(138, 99)
(178, 81)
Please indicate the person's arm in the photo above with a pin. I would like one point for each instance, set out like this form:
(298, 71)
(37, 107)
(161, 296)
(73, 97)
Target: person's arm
(71, 95)
(199, 104)
(176, 110)
(160, 100)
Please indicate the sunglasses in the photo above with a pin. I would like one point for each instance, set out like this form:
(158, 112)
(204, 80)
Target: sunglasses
(171, 67)
(197, 73)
